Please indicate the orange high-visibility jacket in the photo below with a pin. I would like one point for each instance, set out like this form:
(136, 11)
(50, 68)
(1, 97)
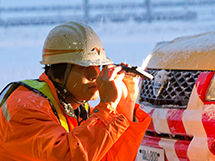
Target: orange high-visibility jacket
(29, 131)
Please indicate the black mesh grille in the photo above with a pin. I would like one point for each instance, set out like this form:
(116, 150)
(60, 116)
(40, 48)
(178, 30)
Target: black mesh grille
(175, 92)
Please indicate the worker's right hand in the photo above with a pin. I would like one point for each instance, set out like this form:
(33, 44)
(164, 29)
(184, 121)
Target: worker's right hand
(109, 83)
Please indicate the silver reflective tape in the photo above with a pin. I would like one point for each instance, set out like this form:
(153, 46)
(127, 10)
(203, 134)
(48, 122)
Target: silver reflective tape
(6, 112)
(4, 91)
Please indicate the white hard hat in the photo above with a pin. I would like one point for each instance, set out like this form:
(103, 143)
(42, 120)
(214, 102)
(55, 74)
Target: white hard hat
(74, 43)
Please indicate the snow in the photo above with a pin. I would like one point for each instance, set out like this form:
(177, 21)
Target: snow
(129, 41)
(187, 52)
(190, 44)
(194, 43)
(159, 81)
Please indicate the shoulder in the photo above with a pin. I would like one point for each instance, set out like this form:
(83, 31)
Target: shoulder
(24, 98)
(141, 115)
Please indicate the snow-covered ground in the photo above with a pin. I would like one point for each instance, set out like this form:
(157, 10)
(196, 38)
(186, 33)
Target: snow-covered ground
(130, 42)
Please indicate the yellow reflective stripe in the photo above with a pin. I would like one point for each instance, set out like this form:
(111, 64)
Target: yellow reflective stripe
(44, 88)
(62, 118)
(86, 106)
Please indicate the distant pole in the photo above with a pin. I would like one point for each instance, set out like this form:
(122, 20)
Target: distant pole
(185, 5)
(86, 10)
(148, 10)
(0, 11)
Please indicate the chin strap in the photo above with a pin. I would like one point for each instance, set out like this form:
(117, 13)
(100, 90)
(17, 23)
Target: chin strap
(79, 102)
(66, 74)
(64, 92)
(68, 94)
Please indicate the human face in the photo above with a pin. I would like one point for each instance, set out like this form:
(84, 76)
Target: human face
(82, 82)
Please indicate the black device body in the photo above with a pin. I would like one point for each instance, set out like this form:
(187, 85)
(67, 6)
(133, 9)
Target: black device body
(136, 71)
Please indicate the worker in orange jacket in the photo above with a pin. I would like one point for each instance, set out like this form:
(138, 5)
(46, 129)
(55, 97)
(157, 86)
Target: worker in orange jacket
(49, 119)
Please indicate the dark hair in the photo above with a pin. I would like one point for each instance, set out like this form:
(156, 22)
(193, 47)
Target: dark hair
(57, 70)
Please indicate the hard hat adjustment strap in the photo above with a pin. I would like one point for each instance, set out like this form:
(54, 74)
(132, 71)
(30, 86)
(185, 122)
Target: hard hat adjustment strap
(66, 74)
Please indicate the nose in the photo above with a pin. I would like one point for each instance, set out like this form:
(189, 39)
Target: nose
(93, 72)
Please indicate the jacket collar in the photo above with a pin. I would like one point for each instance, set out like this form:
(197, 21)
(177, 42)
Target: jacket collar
(44, 77)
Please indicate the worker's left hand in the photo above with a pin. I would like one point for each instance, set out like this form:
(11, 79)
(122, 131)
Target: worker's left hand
(129, 96)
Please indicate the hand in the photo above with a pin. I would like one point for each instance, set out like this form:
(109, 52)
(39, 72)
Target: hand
(110, 84)
(129, 96)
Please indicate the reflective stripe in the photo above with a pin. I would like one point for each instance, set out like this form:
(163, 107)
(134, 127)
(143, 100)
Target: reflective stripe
(6, 112)
(39, 87)
(169, 147)
(48, 52)
(86, 106)
(62, 118)
(44, 88)
(5, 93)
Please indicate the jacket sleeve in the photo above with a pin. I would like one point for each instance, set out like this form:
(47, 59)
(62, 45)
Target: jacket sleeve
(34, 133)
(127, 146)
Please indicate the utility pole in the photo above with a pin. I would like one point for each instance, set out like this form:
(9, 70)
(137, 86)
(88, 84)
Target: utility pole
(0, 11)
(86, 11)
(148, 10)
